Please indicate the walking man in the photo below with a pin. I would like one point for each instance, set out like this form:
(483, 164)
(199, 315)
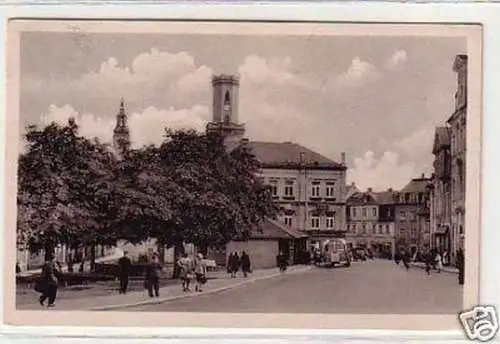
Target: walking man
(461, 266)
(124, 267)
(152, 278)
(49, 282)
(245, 264)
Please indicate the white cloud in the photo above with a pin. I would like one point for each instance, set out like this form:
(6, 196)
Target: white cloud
(358, 73)
(266, 102)
(399, 57)
(417, 144)
(271, 72)
(381, 174)
(151, 75)
(146, 127)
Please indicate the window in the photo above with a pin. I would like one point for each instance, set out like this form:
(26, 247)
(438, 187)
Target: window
(330, 222)
(289, 188)
(379, 229)
(348, 228)
(288, 220)
(363, 211)
(402, 214)
(374, 211)
(330, 190)
(315, 189)
(354, 228)
(315, 222)
(387, 230)
(274, 187)
(363, 226)
(353, 212)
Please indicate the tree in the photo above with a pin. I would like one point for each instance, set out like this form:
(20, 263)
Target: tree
(208, 196)
(64, 182)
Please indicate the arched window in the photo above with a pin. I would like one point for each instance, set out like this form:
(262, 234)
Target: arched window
(227, 107)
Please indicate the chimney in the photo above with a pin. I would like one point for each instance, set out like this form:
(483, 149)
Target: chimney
(423, 176)
(353, 184)
(370, 189)
(342, 158)
(390, 189)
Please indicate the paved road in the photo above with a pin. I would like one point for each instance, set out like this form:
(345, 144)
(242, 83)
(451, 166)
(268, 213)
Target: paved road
(378, 287)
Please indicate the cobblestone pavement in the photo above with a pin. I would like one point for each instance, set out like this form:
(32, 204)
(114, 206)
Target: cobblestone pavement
(105, 296)
(379, 287)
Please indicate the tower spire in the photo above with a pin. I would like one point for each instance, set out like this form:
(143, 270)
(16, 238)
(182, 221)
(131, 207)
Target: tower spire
(121, 134)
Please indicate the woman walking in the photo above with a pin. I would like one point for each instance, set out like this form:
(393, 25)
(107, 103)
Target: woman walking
(186, 267)
(200, 271)
(49, 282)
(439, 262)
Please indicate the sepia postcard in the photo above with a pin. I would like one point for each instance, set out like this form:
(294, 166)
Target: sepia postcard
(242, 174)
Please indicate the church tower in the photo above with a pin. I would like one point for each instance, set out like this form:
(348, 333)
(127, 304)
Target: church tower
(121, 134)
(225, 109)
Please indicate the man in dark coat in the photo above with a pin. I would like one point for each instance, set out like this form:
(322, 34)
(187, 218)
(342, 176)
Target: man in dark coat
(49, 282)
(282, 261)
(245, 263)
(124, 267)
(152, 278)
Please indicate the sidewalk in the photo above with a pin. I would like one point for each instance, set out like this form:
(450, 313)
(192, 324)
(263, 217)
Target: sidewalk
(445, 269)
(221, 281)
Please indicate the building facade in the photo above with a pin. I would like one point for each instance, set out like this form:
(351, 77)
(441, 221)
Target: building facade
(440, 192)
(370, 222)
(458, 128)
(412, 217)
(310, 188)
(449, 181)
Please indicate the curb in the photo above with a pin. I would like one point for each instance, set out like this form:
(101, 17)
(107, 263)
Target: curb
(185, 296)
(448, 270)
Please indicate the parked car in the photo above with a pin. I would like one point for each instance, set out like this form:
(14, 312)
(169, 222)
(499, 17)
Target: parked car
(359, 254)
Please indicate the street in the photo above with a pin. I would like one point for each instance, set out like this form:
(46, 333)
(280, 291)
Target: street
(378, 287)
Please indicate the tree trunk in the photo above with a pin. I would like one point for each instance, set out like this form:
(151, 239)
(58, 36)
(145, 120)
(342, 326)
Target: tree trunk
(178, 251)
(161, 250)
(92, 256)
(49, 251)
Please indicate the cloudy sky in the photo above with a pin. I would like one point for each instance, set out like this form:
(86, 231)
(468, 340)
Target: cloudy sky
(376, 98)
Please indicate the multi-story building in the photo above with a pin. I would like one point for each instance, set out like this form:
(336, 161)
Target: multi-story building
(440, 192)
(370, 221)
(411, 216)
(448, 187)
(309, 187)
(458, 128)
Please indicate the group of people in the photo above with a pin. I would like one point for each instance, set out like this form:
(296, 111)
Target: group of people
(434, 259)
(192, 269)
(235, 262)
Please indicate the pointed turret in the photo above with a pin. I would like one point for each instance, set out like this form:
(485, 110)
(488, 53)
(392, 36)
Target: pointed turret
(121, 134)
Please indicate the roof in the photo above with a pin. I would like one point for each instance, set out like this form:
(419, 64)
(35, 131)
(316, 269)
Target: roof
(359, 198)
(290, 154)
(441, 139)
(272, 229)
(385, 197)
(416, 185)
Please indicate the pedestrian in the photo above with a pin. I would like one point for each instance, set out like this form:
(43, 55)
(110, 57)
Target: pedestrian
(233, 264)
(427, 258)
(124, 267)
(186, 266)
(49, 282)
(245, 264)
(152, 277)
(461, 266)
(406, 260)
(200, 271)
(445, 258)
(439, 262)
(282, 261)
(397, 258)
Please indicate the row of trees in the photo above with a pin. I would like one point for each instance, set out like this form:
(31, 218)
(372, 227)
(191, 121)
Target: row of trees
(73, 190)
